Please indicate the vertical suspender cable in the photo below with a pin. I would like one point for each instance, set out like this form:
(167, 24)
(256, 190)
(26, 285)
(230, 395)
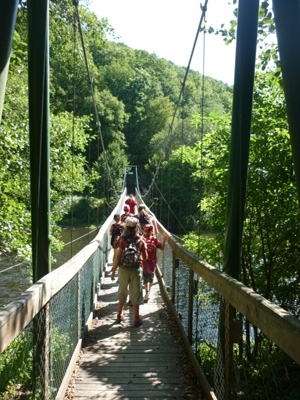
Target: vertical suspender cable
(201, 180)
(73, 133)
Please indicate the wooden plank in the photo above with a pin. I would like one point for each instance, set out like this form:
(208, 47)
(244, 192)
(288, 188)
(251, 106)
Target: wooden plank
(120, 361)
(129, 395)
(122, 376)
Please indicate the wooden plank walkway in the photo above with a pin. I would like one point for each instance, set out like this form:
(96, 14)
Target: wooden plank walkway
(120, 361)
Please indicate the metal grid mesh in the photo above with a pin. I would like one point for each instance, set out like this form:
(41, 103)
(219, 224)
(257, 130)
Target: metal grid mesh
(164, 260)
(64, 331)
(89, 278)
(35, 363)
(259, 369)
(181, 298)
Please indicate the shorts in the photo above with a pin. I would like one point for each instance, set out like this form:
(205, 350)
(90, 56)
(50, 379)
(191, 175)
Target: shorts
(114, 242)
(133, 278)
(148, 278)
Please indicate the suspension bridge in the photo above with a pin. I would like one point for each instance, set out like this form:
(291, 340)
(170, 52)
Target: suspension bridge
(60, 337)
(66, 326)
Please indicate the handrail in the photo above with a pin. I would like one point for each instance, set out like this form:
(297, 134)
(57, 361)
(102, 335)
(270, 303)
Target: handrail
(51, 317)
(278, 324)
(17, 314)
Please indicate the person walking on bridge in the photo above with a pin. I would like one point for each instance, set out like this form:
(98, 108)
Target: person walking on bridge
(115, 232)
(145, 217)
(126, 213)
(132, 203)
(128, 259)
(149, 264)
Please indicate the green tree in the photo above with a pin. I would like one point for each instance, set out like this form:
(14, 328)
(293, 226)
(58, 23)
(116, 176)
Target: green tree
(270, 249)
(181, 189)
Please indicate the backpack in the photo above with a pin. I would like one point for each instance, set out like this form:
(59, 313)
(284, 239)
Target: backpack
(131, 254)
(116, 233)
(117, 230)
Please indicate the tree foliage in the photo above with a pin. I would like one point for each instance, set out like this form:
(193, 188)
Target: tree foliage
(270, 248)
(110, 106)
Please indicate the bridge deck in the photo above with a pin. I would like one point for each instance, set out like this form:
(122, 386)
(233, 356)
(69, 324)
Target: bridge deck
(120, 361)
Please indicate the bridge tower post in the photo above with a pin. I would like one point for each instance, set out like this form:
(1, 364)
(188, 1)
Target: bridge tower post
(246, 40)
(38, 78)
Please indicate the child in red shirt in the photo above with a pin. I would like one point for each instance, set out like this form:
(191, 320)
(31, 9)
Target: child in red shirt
(132, 203)
(149, 264)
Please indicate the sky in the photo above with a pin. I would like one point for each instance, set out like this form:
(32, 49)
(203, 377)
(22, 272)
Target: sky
(168, 29)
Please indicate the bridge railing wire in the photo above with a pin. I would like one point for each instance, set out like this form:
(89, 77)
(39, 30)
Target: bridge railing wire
(264, 361)
(42, 330)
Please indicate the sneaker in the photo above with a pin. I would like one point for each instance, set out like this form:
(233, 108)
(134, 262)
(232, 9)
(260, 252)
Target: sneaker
(138, 321)
(120, 317)
(146, 297)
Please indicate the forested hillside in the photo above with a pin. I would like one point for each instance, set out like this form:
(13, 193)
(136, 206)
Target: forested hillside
(135, 96)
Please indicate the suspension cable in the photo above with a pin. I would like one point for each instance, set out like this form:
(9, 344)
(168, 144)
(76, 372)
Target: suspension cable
(169, 208)
(167, 139)
(93, 98)
(11, 267)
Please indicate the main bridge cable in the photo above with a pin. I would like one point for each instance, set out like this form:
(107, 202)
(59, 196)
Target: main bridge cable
(169, 208)
(75, 3)
(167, 140)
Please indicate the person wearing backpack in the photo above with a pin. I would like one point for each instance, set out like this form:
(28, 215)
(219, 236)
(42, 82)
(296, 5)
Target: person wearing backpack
(115, 232)
(149, 264)
(128, 259)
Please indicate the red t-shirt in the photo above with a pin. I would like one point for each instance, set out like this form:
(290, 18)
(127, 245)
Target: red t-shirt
(152, 244)
(132, 203)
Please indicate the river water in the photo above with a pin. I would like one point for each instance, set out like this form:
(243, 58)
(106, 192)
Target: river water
(15, 278)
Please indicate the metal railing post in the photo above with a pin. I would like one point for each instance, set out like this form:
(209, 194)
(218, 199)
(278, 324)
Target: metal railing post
(191, 306)
(175, 264)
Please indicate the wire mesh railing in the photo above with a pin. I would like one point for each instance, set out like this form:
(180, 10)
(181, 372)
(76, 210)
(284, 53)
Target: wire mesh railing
(235, 335)
(35, 362)
(42, 330)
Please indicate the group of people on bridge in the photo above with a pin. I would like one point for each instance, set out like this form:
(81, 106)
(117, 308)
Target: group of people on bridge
(134, 240)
